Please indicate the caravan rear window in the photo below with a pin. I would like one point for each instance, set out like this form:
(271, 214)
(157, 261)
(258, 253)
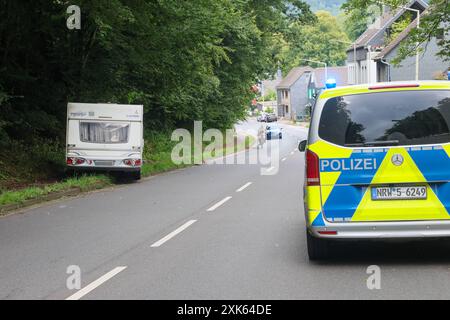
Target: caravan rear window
(99, 132)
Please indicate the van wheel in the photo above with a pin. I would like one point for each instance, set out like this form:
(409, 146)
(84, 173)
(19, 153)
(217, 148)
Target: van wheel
(136, 176)
(318, 249)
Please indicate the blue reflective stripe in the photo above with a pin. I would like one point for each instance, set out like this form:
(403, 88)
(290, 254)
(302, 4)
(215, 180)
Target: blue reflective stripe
(319, 222)
(434, 164)
(435, 167)
(443, 193)
(345, 199)
(343, 202)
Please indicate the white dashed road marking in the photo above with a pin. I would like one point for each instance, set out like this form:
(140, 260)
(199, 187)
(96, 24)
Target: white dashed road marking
(97, 283)
(245, 186)
(218, 204)
(173, 234)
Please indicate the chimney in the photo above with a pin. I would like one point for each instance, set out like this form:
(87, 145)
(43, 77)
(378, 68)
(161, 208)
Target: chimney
(279, 74)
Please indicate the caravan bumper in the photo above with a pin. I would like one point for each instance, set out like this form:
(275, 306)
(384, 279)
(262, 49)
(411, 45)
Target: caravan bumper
(81, 163)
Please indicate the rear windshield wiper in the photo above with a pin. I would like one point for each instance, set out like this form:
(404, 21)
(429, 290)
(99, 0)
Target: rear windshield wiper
(374, 144)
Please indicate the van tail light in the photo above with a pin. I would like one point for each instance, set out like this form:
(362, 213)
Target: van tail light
(312, 169)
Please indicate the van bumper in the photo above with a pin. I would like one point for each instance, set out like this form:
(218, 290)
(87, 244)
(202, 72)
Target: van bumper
(383, 230)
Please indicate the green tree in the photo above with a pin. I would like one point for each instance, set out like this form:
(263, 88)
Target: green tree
(397, 27)
(184, 60)
(317, 42)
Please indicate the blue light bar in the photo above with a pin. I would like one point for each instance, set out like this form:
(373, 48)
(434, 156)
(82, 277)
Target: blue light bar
(331, 83)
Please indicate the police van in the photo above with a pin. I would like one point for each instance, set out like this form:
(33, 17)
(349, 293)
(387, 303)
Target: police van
(378, 164)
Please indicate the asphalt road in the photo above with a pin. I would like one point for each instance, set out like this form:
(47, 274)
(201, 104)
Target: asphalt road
(206, 232)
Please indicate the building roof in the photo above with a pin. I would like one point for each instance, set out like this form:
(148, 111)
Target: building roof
(340, 74)
(270, 85)
(384, 22)
(394, 43)
(293, 77)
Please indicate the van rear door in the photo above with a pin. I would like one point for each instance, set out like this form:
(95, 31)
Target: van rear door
(385, 156)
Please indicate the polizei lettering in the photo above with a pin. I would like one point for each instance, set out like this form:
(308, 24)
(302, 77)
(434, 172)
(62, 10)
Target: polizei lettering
(357, 164)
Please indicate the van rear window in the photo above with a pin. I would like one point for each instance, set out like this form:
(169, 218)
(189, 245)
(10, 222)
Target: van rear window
(99, 132)
(387, 119)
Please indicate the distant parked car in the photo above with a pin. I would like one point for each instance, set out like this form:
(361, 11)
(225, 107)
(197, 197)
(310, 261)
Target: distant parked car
(274, 132)
(262, 118)
(271, 118)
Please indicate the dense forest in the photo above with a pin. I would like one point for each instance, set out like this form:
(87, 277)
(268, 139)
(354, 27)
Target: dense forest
(183, 60)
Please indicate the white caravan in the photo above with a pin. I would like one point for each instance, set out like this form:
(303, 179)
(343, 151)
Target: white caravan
(106, 137)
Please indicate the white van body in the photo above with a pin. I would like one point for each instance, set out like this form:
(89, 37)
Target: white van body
(105, 137)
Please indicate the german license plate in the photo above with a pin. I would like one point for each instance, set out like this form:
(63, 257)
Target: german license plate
(399, 193)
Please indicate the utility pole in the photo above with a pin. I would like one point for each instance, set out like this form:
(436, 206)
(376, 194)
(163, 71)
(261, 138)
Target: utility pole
(354, 57)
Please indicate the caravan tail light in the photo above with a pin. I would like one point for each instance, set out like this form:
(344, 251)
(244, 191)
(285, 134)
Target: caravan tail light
(133, 162)
(73, 161)
(312, 169)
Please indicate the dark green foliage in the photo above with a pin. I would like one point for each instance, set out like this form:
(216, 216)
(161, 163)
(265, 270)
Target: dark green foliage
(184, 60)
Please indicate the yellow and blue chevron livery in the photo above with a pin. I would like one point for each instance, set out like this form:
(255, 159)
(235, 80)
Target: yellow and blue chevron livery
(348, 175)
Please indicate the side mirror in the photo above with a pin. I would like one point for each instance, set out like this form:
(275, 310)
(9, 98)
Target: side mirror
(302, 146)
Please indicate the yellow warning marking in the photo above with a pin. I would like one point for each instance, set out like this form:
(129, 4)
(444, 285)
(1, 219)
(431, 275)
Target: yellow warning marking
(447, 149)
(312, 216)
(313, 198)
(326, 150)
(400, 210)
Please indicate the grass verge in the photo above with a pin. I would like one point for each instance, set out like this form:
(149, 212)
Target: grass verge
(157, 155)
(83, 183)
